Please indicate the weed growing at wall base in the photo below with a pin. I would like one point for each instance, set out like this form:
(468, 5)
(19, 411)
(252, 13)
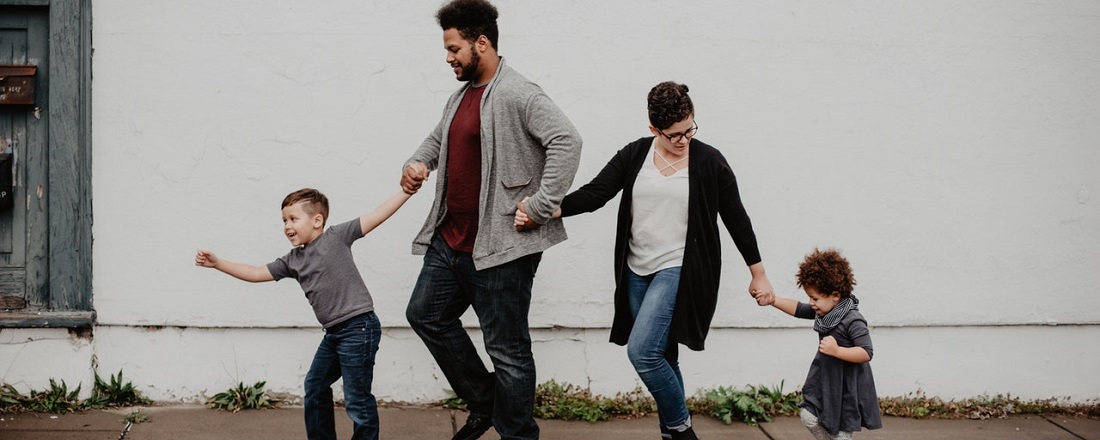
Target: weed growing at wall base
(115, 393)
(242, 397)
(919, 406)
(757, 404)
(751, 406)
(59, 399)
(569, 402)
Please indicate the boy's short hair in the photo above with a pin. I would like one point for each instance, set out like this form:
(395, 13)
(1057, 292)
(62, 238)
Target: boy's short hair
(472, 19)
(828, 272)
(316, 203)
(669, 103)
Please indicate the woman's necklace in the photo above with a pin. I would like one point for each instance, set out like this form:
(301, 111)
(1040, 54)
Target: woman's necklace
(669, 164)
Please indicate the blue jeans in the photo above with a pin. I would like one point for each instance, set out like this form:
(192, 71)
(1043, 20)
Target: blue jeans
(501, 296)
(652, 301)
(347, 350)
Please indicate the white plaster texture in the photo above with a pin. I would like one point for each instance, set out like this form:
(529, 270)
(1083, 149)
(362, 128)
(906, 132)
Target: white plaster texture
(30, 358)
(949, 149)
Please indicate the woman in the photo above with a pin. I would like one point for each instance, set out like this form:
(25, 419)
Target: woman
(667, 248)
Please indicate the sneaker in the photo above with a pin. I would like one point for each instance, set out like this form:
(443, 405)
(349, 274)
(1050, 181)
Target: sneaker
(689, 434)
(475, 426)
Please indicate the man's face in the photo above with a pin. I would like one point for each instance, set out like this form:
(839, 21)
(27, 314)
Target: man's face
(461, 55)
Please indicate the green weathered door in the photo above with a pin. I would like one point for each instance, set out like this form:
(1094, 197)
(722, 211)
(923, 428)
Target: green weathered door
(24, 40)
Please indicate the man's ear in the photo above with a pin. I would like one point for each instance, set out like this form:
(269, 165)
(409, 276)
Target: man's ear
(482, 44)
(654, 130)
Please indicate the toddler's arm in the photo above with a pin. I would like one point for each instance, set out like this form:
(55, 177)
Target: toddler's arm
(787, 305)
(241, 271)
(370, 221)
(855, 355)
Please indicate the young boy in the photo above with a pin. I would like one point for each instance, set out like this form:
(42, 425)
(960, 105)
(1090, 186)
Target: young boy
(839, 394)
(322, 263)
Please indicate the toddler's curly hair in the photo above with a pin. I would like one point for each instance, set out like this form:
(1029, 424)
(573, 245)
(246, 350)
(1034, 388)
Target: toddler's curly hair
(828, 272)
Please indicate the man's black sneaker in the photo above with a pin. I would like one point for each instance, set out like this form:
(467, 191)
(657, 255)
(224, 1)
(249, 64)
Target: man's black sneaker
(473, 429)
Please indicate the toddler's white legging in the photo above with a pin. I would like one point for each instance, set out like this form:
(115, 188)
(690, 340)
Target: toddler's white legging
(819, 433)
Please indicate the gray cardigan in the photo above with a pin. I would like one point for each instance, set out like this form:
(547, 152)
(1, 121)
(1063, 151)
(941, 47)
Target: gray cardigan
(528, 149)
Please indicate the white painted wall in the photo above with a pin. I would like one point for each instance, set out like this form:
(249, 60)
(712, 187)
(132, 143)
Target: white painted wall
(949, 149)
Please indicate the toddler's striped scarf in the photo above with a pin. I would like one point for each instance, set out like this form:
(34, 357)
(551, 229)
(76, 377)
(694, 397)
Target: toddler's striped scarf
(823, 324)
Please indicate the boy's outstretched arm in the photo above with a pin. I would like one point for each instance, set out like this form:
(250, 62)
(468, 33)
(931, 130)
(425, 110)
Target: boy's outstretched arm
(241, 271)
(371, 220)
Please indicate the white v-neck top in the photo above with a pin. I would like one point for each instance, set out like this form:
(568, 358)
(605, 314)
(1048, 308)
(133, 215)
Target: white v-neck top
(660, 211)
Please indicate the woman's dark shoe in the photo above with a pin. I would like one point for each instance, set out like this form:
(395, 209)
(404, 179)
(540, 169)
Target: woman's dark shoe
(689, 434)
(473, 429)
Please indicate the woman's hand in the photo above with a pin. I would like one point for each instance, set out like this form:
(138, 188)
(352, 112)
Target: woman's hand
(760, 288)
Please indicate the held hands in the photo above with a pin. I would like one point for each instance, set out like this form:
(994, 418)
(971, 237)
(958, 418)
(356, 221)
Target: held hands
(413, 177)
(204, 258)
(762, 291)
(524, 222)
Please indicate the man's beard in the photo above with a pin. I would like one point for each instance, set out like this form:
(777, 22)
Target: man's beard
(470, 71)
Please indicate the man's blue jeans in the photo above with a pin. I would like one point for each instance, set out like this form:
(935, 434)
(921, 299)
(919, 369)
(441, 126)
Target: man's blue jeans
(347, 350)
(652, 301)
(501, 296)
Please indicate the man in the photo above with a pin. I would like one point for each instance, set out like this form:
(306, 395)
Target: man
(501, 140)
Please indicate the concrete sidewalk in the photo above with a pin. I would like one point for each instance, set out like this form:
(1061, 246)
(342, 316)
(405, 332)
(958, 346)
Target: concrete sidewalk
(417, 423)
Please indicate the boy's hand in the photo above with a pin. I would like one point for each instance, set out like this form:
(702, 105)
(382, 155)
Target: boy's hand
(205, 258)
(828, 346)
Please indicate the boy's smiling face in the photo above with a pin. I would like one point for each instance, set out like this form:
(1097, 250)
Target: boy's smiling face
(821, 304)
(299, 226)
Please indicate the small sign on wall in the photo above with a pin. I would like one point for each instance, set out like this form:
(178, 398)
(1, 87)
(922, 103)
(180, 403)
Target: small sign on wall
(17, 85)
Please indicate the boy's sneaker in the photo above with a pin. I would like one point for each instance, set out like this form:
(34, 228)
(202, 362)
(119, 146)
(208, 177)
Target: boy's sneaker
(475, 426)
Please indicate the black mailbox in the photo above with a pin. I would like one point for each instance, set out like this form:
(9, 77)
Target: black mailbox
(17, 84)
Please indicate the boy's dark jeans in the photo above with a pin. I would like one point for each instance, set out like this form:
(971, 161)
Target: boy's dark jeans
(501, 296)
(347, 350)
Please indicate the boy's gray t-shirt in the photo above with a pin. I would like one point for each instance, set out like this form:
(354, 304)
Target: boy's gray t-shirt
(326, 271)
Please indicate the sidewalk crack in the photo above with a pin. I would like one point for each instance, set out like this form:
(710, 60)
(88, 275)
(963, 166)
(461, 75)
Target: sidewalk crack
(1062, 427)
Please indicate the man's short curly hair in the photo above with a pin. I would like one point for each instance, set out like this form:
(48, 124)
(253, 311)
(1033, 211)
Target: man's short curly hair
(315, 202)
(669, 103)
(472, 19)
(828, 272)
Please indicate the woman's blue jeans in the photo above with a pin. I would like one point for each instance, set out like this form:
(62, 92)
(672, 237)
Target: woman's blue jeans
(347, 350)
(652, 301)
(448, 285)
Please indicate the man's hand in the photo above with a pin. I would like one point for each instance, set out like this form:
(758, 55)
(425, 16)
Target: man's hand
(523, 221)
(414, 176)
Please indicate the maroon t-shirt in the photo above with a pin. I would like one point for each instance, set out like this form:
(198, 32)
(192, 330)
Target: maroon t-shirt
(459, 227)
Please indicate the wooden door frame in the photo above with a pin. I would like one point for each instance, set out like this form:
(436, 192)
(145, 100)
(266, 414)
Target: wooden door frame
(69, 192)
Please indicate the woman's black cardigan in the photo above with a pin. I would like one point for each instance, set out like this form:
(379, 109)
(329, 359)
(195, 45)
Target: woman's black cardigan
(712, 193)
